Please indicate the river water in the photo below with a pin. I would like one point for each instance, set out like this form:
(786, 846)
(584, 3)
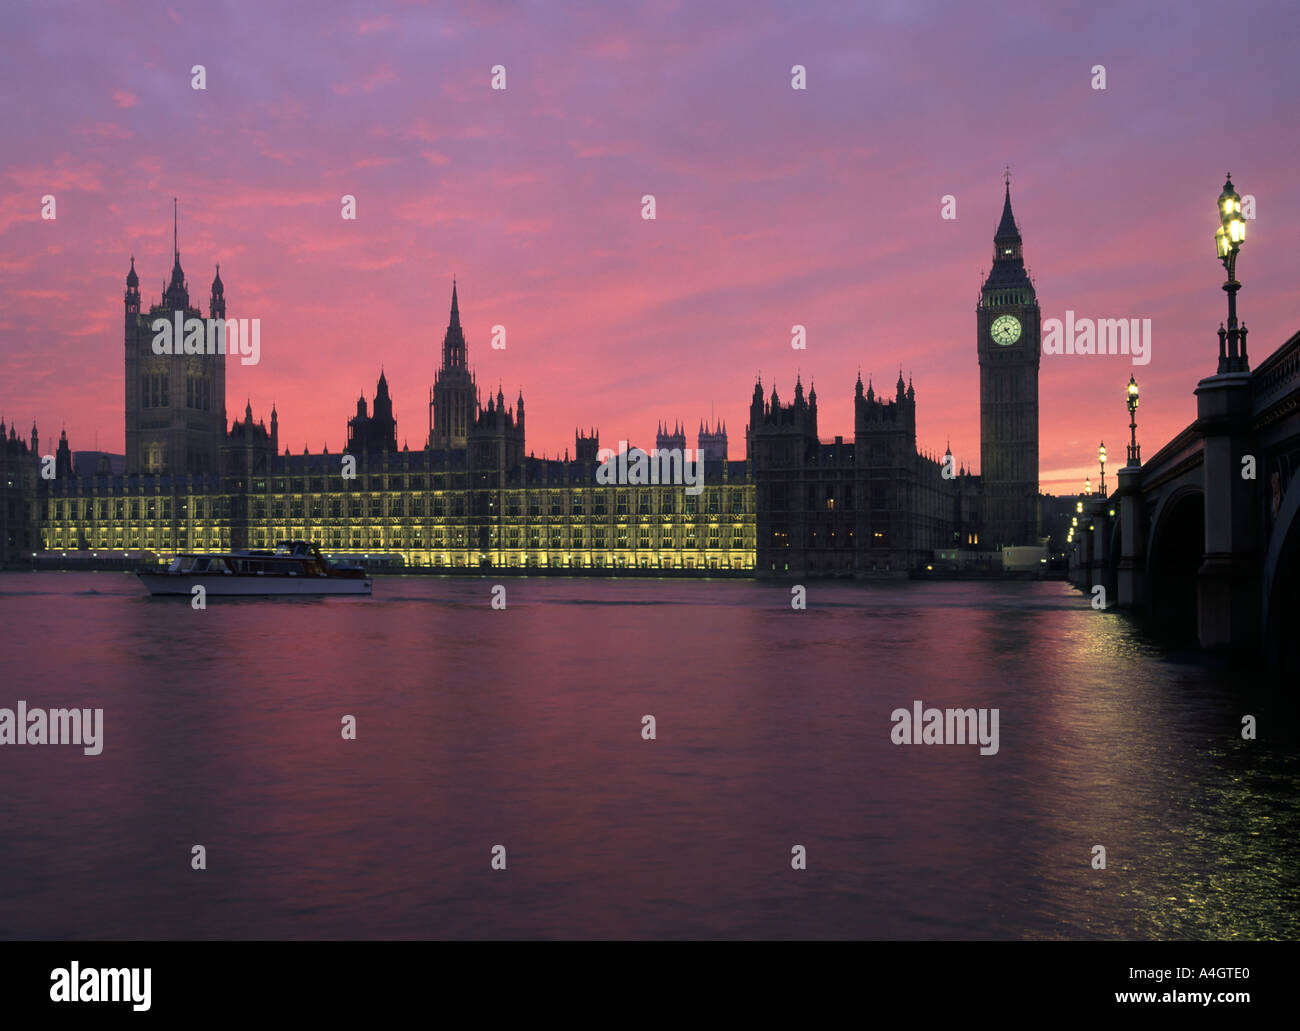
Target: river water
(523, 727)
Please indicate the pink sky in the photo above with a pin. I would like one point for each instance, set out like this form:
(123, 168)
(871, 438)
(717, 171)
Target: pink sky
(775, 206)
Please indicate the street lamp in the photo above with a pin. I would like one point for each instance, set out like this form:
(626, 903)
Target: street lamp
(1087, 484)
(1228, 239)
(1101, 456)
(1134, 452)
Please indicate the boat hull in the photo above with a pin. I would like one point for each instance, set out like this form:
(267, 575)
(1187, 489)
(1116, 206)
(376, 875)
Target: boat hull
(253, 585)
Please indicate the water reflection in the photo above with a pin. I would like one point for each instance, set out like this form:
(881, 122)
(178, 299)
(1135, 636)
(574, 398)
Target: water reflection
(522, 727)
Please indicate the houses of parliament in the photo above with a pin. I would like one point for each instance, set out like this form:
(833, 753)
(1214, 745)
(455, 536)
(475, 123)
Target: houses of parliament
(473, 498)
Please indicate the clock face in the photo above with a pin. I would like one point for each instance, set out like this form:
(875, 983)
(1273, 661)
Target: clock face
(1005, 330)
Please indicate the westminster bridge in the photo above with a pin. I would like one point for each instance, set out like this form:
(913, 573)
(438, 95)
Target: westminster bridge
(1203, 539)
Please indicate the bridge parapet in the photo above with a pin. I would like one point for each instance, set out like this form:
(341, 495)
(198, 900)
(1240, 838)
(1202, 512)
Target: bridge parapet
(1276, 377)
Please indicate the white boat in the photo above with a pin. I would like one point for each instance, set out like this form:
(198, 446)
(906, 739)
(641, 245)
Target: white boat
(293, 567)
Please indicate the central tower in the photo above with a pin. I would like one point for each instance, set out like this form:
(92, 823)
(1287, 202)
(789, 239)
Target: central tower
(453, 401)
(175, 403)
(1008, 328)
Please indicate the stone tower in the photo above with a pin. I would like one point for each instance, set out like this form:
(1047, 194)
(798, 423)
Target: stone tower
(1008, 326)
(175, 403)
(453, 401)
(713, 441)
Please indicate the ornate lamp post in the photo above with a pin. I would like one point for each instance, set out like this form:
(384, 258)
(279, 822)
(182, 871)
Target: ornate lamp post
(1087, 484)
(1101, 456)
(1134, 452)
(1228, 239)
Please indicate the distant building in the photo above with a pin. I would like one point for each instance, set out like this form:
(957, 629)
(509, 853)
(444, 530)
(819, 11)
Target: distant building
(477, 500)
(98, 463)
(473, 497)
(377, 431)
(713, 442)
(872, 507)
(454, 395)
(175, 403)
(674, 440)
(19, 508)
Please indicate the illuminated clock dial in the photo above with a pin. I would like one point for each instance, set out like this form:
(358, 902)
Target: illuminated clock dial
(1005, 330)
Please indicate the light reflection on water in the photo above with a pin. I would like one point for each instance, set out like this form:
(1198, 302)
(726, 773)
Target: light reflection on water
(523, 727)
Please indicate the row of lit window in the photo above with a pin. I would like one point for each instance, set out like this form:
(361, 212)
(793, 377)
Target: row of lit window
(710, 502)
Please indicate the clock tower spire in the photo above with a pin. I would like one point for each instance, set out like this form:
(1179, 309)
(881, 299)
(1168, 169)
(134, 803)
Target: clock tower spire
(1008, 326)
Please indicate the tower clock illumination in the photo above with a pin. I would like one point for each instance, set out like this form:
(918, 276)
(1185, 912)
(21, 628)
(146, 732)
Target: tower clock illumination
(1005, 330)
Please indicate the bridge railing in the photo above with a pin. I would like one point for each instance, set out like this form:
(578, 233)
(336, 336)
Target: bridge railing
(1277, 376)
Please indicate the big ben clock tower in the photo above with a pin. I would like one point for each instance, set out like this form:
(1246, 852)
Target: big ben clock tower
(1008, 324)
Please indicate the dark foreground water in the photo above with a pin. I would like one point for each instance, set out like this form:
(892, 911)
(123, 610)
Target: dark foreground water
(522, 728)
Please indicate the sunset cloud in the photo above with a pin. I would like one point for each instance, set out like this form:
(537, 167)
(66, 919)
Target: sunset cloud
(774, 206)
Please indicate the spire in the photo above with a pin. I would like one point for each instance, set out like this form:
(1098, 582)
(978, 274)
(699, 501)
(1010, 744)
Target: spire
(132, 280)
(175, 295)
(1007, 229)
(1007, 281)
(217, 306)
(454, 354)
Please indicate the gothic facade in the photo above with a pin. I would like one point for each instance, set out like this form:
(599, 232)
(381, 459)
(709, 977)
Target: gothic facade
(475, 501)
(376, 431)
(455, 393)
(474, 498)
(175, 403)
(19, 507)
(872, 507)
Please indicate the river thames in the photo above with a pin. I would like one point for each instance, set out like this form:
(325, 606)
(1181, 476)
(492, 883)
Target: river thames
(522, 727)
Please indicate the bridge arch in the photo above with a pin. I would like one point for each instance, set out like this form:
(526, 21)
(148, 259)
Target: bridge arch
(1175, 551)
(1281, 584)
